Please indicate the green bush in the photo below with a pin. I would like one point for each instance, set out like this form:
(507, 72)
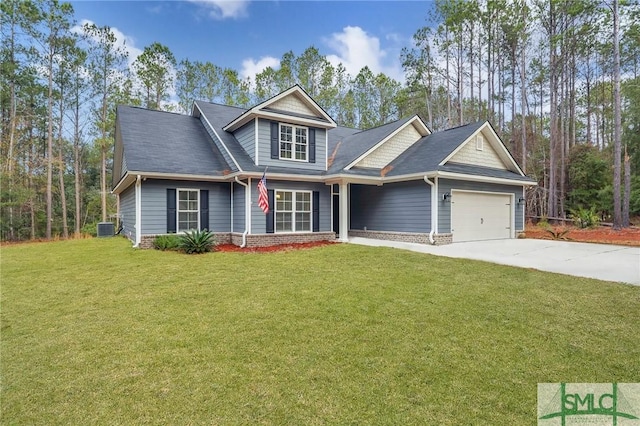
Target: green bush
(197, 242)
(90, 229)
(166, 242)
(584, 218)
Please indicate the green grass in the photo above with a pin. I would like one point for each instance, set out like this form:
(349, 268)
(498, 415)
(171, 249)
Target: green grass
(95, 332)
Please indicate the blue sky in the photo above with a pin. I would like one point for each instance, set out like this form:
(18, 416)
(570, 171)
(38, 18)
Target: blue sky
(249, 35)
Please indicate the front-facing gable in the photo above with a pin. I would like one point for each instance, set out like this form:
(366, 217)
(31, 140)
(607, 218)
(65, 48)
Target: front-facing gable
(485, 149)
(292, 106)
(392, 145)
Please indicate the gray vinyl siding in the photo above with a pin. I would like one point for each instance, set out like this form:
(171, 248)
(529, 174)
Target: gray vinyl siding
(394, 207)
(447, 185)
(264, 147)
(238, 208)
(259, 219)
(246, 136)
(128, 212)
(218, 143)
(154, 204)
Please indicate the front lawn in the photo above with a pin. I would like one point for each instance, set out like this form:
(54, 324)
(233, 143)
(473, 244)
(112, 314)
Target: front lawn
(95, 332)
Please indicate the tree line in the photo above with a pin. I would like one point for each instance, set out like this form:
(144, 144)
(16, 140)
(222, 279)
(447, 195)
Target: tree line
(558, 80)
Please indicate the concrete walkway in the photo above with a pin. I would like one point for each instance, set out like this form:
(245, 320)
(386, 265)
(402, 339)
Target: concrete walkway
(602, 261)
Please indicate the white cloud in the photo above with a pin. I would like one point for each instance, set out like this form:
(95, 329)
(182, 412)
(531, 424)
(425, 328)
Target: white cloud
(223, 9)
(355, 49)
(122, 40)
(250, 67)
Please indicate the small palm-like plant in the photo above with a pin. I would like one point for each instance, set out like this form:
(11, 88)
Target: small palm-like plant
(558, 234)
(166, 242)
(196, 242)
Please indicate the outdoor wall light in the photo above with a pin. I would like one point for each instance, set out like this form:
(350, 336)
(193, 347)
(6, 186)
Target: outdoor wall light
(446, 196)
(521, 200)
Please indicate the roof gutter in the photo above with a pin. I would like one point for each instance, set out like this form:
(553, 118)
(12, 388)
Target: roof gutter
(434, 211)
(247, 212)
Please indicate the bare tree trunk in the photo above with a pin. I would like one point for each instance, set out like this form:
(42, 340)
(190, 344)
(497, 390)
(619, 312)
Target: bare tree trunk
(103, 169)
(49, 196)
(63, 195)
(588, 88)
(448, 76)
(460, 82)
(626, 199)
(553, 140)
(617, 128)
(76, 167)
(472, 108)
(523, 103)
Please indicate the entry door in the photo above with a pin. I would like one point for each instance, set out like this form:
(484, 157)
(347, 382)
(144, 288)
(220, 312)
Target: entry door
(480, 216)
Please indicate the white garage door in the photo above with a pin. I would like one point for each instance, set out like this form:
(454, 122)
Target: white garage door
(480, 216)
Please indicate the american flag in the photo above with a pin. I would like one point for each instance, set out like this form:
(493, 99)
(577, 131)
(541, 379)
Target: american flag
(263, 197)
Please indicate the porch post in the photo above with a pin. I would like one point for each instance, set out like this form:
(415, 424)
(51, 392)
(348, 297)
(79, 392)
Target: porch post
(344, 213)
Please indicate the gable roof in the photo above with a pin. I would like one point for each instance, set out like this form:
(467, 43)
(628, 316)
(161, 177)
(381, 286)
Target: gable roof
(216, 115)
(430, 151)
(496, 144)
(151, 138)
(199, 147)
(348, 146)
(268, 109)
(414, 121)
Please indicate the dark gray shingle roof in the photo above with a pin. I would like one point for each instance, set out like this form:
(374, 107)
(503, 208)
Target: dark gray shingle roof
(163, 142)
(219, 116)
(469, 169)
(428, 152)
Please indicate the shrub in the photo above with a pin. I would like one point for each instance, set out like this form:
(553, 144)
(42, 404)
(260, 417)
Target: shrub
(166, 242)
(197, 242)
(90, 229)
(543, 222)
(584, 218)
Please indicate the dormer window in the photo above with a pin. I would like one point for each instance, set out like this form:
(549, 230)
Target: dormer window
(294, 142)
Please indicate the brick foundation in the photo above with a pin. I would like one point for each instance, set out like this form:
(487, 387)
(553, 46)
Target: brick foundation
(265, 240)
(146, 241)
(256, 240)
(407, 237)
(442, 239)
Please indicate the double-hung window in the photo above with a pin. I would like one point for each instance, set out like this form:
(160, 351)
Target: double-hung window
(188, 212)
(293, 211)
(294, 142)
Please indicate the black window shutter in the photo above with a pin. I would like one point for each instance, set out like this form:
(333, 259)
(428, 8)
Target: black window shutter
(316, 211)
(204, 209)
(171, 211)
(271, 214)
(275, 140)
(312, 145)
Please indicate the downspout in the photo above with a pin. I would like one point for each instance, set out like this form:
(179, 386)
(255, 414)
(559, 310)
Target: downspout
(246, 218)
(138, 202)
(433, 215)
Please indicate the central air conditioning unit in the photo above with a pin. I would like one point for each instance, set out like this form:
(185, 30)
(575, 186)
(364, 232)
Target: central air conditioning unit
(106, 229)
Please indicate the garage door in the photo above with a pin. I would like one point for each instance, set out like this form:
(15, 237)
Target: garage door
(480, 216)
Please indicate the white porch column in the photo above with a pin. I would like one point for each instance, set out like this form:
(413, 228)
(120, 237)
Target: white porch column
(344, 213)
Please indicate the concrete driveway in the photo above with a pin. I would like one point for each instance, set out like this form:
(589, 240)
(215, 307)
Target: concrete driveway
(601, 261)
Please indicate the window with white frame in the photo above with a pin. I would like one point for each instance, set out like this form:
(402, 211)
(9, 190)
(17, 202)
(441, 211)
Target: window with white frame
(293, 211)
(293, 142)
(188, 209)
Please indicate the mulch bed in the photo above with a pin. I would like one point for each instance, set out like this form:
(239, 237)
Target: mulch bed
(601, 234)
(271, 249)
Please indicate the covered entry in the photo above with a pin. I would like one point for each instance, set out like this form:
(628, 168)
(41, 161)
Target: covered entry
(480, 216)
